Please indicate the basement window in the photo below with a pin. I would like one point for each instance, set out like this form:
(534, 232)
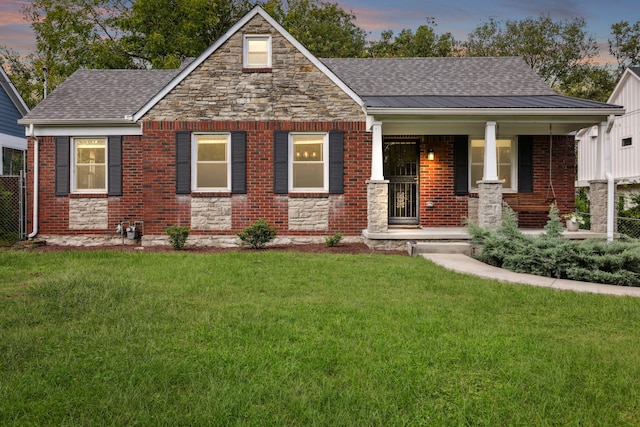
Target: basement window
(627, 142)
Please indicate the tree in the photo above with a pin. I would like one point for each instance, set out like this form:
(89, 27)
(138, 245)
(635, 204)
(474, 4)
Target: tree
(324, 28)
(425, 42)
(161, 33)
(625, 45)
(559, 51)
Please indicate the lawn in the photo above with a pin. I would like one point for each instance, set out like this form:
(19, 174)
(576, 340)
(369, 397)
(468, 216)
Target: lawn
(284, 338)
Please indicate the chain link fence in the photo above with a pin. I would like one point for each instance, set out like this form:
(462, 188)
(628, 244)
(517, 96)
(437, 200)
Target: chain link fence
(626, 227)
(629, 227)
(12, 209)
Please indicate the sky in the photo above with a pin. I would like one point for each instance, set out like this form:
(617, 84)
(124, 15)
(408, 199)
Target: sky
(459, 17)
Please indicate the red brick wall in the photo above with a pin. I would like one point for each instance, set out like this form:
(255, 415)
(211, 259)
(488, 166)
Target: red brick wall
(149, 181)
(436, 185)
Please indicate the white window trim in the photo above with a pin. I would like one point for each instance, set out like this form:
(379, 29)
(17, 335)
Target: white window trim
(194, 164)
(626, 147)
(325, 166)
(245, 50)
(473, 187)
(72, 164)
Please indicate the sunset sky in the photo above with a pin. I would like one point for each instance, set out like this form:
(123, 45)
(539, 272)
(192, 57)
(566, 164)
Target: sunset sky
(458, 17)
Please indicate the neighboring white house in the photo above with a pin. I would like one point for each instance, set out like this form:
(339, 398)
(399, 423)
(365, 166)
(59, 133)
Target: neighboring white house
(624, 144)
(13, 142)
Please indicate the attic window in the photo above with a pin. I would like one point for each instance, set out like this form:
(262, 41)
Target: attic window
(257, 52)
(627, 142)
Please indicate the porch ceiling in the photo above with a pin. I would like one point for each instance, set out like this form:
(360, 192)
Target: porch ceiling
(473, 122)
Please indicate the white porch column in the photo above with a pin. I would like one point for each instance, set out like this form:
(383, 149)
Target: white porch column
(377, 173)
(490, 172)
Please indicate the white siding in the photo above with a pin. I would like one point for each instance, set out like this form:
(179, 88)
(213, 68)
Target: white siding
(625, 160)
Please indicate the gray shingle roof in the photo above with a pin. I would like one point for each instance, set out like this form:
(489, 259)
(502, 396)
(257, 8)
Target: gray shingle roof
(636, 70)
(101, 95)
(504, 76)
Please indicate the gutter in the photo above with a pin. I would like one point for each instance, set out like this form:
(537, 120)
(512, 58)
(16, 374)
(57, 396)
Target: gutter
(81, 122)
(496, 111)
(36, 175)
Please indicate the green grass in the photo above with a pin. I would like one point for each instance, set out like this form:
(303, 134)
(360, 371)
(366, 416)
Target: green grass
(273, 338)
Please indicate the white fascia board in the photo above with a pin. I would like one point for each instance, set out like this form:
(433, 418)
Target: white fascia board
(21, 106)
(11, 141)
(566, 112)
(105, 130)
(199, 60)
(628, 74)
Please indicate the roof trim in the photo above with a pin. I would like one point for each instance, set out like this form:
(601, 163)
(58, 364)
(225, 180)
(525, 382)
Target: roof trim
(234, 29)
(78, 122)
(11, 90)
(628, 74)
(605, 112)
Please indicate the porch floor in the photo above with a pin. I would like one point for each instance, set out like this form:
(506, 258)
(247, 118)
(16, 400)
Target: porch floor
(422, 234)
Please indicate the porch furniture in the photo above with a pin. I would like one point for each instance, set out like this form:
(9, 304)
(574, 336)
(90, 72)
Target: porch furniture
(529, 202)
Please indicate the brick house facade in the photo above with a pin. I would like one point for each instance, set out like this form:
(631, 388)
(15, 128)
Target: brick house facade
(164, 137)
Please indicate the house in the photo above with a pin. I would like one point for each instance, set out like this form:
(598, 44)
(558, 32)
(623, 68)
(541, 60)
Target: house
(13, 143)
(257, 127)
(623, 148)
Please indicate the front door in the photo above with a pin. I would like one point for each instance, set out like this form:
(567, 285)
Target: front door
(401, 170)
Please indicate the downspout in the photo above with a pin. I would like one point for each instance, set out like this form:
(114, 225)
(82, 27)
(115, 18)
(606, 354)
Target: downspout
(611, 185)
(611, 188)
(36, 174)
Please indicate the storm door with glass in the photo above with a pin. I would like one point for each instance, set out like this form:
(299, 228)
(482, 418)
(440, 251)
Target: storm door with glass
(401, 170)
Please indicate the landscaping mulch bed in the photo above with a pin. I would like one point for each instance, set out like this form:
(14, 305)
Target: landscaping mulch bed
(342, 248)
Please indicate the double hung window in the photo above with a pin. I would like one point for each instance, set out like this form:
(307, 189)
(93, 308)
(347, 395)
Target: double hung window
(89, 172)
(309, 168)
(257, 51)
(505, 155)
(211, 171)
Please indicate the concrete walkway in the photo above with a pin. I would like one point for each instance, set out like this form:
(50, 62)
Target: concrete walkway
(465, 264)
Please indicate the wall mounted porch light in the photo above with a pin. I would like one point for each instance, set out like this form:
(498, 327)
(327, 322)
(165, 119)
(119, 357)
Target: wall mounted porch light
(431, 155)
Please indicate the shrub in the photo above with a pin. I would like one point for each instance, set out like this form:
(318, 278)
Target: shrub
(258, 234)
(332, 241)
(177, 236)
(551, 255)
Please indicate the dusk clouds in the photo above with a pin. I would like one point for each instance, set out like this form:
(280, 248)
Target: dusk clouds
(457, 17)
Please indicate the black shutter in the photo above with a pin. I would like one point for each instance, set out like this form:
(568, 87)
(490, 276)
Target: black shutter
(63, 151)
(281, 162)
(525, 164)
(461, 165)
(239, 162)
(183, 162)
(336, 162)
(114, 145)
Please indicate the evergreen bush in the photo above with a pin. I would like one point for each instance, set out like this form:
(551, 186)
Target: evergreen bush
(177, 236)
(258, 234)
(551, 255)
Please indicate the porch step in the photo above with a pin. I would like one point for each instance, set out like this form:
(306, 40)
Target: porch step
(417, 248)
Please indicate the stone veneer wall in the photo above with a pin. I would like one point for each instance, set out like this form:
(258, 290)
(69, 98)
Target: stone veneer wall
(211, 213)
(598, 198)
(88, 213)
(309, 214)
(293, 89)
